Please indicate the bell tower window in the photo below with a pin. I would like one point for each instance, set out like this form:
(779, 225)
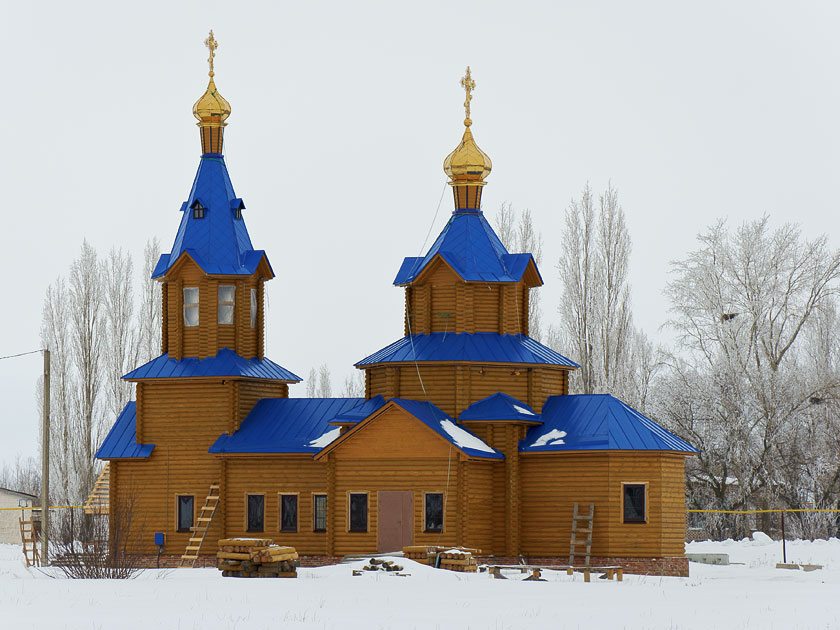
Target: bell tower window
(190, 306)
(253, 308)
(197, 210)
(227, 295)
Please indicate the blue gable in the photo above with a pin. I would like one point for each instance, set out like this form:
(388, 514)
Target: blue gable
(287, 425)
(483, 347)
(598, 422)
(470, 246)
(219, 242)
(225, 363)
(121, 441)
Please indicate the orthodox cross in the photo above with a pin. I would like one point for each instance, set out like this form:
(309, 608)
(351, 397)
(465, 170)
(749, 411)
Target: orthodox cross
(469, 85)
(212, 45)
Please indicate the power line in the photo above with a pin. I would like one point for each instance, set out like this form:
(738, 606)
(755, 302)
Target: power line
(22, 354)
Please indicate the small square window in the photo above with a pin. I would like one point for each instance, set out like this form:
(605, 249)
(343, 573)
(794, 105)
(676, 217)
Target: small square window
(190, 306)
(253, 308)
(227, 296)
(434, 512)
(288, 513)
(358, 512)
(256, 512)
(634, 503)
(186, 512)
(319, 508)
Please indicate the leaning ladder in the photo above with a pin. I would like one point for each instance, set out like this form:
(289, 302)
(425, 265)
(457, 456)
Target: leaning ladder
(577, 519)
(97, 501)
(205, 517)
(30, 543)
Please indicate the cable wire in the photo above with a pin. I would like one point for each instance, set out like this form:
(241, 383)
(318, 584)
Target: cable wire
(21, 354)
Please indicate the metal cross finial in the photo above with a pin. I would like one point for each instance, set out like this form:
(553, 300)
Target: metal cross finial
(212, 45)
(469, 85)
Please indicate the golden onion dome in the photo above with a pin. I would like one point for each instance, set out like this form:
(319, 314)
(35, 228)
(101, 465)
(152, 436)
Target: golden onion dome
(212, 109)
(467, 163)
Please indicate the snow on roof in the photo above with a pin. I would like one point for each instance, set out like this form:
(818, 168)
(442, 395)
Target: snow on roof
(326, 439)
(552, 437)
(464, 439)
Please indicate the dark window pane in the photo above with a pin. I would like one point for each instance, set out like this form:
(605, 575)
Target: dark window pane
(634, 504)
(320, 509)
(185, 513)
(288, 513)
(358, 512)
(434, 512)
(256, 509)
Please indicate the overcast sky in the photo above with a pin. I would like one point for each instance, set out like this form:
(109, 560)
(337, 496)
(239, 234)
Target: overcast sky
(343, 113)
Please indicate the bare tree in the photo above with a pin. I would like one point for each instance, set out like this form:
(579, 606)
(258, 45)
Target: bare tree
(354, 385)
(324, 382)
(505, 221)
(121, 339)
(595, 313)
(743, 387)
(149, 312)
(311, 383)
(24, 475)
(86, 327)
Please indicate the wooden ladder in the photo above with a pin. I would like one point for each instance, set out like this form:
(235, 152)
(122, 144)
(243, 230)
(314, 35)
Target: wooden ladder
(30, 543)
(205, 517)
(97, 501)
(577, 519)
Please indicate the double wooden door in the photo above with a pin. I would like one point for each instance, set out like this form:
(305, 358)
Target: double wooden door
(395, 521)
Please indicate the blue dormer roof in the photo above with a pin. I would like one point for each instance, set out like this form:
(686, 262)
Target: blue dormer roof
(470, 246)
(499, 407)
(121, 441)
(218, 242)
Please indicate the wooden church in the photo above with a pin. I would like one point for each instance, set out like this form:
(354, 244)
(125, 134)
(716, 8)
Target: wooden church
(466, 434)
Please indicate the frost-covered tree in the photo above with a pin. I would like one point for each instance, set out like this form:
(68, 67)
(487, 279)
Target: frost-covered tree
(149, 311)
(324, 382)
(354, 385)
(121, 344)
(754, 379)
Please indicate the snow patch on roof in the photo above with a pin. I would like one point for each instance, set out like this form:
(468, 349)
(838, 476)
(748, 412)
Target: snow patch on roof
(523, 410)
(552, 437)
(462, 438)
(326, 439)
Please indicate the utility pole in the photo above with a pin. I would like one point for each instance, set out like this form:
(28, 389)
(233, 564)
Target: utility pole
(45, 464)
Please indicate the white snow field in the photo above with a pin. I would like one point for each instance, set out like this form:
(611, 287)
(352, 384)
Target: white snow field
(750, 595)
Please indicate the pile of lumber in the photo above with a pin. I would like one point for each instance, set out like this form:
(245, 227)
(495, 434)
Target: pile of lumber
(256, 557)
(379, 565)
(452, 558)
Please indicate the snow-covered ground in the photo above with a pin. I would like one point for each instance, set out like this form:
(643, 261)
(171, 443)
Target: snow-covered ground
(750, 595)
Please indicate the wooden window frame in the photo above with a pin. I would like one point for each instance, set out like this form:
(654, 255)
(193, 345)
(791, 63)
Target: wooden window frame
(249, 494)
(197, 210)
(280, 496)
(442, 513)
(314, 513)
(643, 484)
(367, 512)
(230, 303)
(196, 305)
(178, 495)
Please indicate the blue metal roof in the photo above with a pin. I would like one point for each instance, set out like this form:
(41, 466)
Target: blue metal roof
(219, 242)
(482, 347)
(225, 363)
(357, 414)
(121, 441)
(499, 407)
(597, 422)
(470, 246)
(443, 425)
(286, 425)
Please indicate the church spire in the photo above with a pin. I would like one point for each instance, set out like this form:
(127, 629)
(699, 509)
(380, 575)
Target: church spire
(467, 165)
(211, 110)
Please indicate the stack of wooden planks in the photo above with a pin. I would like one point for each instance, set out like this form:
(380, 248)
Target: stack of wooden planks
(452, 558)
(256, 557)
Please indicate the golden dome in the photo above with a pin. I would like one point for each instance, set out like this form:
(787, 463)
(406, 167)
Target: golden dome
(211, 110)
(467, 164)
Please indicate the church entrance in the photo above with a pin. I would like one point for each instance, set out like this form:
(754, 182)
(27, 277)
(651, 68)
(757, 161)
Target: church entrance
(395, 522)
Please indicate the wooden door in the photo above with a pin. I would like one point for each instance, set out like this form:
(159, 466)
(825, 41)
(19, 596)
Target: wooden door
(395, 522)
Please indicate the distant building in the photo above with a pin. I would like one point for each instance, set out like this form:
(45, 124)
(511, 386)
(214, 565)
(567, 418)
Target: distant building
(10, 519)
(466, 434)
